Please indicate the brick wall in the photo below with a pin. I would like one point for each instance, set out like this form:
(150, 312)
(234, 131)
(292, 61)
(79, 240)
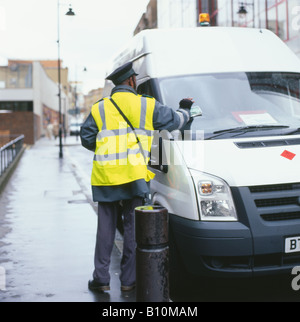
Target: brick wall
(21, 123)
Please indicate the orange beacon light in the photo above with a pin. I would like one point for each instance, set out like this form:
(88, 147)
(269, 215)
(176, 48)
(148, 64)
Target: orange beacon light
(204, 19)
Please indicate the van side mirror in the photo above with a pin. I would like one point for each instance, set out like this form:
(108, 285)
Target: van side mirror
(156, 158)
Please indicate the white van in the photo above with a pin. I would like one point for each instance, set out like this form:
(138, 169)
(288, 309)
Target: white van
(232, 185)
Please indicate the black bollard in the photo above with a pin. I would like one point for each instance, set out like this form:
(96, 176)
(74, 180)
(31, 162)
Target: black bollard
(152, 254)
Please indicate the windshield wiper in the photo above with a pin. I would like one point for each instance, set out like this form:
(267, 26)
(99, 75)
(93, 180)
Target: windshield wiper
(246, 128)
(293, 131)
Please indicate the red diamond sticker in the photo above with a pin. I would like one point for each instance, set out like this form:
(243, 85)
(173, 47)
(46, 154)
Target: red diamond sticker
(287, 154)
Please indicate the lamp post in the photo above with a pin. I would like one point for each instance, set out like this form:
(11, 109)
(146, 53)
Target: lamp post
(69, 13)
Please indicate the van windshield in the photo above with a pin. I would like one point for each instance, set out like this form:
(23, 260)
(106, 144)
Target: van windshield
(238, 104)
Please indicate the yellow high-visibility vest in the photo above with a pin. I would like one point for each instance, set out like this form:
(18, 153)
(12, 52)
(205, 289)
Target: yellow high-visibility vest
(118, 158)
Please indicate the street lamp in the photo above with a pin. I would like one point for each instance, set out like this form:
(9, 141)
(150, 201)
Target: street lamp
(69, 13)
(243, 11)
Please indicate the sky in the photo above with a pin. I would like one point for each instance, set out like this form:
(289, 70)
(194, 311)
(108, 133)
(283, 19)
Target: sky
(29, 30)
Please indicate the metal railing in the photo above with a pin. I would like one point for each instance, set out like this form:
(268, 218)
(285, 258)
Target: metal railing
(9, 151)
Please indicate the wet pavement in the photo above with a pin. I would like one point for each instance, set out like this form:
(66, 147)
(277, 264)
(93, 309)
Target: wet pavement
(47, 238)
(48, 231)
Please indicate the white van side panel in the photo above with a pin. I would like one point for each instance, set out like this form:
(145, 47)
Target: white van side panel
(245, 167)
(218, 50)
(170, 52)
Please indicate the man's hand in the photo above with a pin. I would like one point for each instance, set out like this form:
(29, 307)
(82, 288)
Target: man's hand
(186, 103)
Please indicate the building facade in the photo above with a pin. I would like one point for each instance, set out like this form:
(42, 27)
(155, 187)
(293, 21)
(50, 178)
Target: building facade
(177, 13)
(168, 14)
(149, 18)
(29, 100)
(90, 99)
(280, 16)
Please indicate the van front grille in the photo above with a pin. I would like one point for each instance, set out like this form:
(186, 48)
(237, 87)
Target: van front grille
(281, 216)
(275, 187)
(277, 202)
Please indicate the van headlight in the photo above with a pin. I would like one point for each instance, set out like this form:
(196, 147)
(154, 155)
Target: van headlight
(214, 198)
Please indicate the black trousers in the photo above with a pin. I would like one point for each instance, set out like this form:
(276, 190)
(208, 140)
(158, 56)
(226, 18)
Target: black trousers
(108, 213)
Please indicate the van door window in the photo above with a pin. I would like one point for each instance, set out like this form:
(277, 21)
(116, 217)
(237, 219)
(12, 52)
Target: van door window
(157, 155)
(145, 88)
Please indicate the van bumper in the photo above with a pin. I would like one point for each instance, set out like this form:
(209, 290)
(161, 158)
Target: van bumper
(222, 249)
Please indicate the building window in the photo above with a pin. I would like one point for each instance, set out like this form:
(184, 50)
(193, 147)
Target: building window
(270, 3)
(272, 19)
(277, 18)
(282, 21)
(16, 106)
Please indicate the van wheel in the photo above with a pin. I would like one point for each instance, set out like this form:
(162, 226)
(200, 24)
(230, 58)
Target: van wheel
(179, 280)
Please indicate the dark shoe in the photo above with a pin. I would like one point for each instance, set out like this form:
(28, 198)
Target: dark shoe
(96, 286)
(127, 288)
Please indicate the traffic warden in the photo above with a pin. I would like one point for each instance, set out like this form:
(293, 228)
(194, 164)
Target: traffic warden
(119, 130)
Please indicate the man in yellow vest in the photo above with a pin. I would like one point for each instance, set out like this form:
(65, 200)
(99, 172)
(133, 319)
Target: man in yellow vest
(119, 130)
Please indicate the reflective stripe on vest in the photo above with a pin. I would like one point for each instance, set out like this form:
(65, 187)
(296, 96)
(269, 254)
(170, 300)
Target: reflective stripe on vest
(118, 158)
